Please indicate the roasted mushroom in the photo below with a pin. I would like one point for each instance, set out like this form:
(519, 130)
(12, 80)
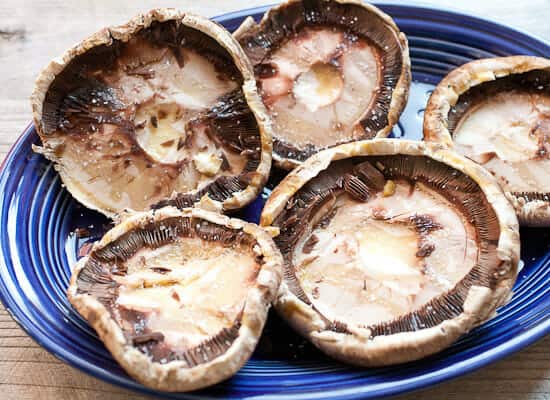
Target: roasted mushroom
(179, 298)
(393, 249)
(165, 106)
(329, 72)
(497, 112)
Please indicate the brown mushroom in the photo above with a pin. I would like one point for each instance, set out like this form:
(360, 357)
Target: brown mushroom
(179, 298)
(497, 112)
(163, 107)
(392, 249)
(329, 72)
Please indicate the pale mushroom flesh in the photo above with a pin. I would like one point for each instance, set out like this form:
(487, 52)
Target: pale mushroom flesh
(504, 125)
(176, 288)
(388, 243)
(132, 123)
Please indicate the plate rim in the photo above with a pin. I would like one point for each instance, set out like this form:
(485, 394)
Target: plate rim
(358, 391)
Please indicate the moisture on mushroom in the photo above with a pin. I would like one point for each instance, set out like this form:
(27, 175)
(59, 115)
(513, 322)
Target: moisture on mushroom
(391, 251)
(497, 113)
(179, 297)
(164, 107)
(329, 72)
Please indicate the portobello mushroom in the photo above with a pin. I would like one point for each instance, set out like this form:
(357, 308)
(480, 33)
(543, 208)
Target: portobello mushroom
(329, 72)
(179, 298)
(497, 112)
(392, 249)
(162, 110)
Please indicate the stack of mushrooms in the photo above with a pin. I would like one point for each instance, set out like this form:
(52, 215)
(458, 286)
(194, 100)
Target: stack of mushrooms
(378, 251)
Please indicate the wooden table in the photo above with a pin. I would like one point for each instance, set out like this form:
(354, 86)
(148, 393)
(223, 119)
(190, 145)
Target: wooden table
(33, 32)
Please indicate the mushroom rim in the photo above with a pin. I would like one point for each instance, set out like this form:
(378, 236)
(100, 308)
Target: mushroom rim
(358, 347)
(400, 92)
(531, 212)
(175, 375)
(123, 33)
(463, 78)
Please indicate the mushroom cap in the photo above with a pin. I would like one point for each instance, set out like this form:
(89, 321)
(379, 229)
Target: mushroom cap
(449, 101)
(212, 360)
(417, 334)
(237, 120)
(314, 61)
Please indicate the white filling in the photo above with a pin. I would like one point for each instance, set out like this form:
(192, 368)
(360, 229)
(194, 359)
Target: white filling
(377, 246)
(318, 87)
(162, 131)
(207, 163)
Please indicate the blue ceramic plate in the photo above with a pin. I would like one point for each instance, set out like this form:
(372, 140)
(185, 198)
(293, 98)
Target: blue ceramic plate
(38, 218)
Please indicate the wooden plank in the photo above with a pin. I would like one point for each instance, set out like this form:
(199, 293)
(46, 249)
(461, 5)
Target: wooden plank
(28, 392)
(17, 342)
(33, 354)
(50, 374)
(12, 333)
(8, 323)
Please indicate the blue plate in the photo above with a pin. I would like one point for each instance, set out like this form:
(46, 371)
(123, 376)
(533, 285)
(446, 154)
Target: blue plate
(38, 246)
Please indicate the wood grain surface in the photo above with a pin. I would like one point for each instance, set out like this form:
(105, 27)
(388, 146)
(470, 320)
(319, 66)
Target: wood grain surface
(34, 31)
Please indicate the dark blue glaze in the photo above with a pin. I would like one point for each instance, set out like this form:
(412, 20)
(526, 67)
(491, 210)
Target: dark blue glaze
(37, 248)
